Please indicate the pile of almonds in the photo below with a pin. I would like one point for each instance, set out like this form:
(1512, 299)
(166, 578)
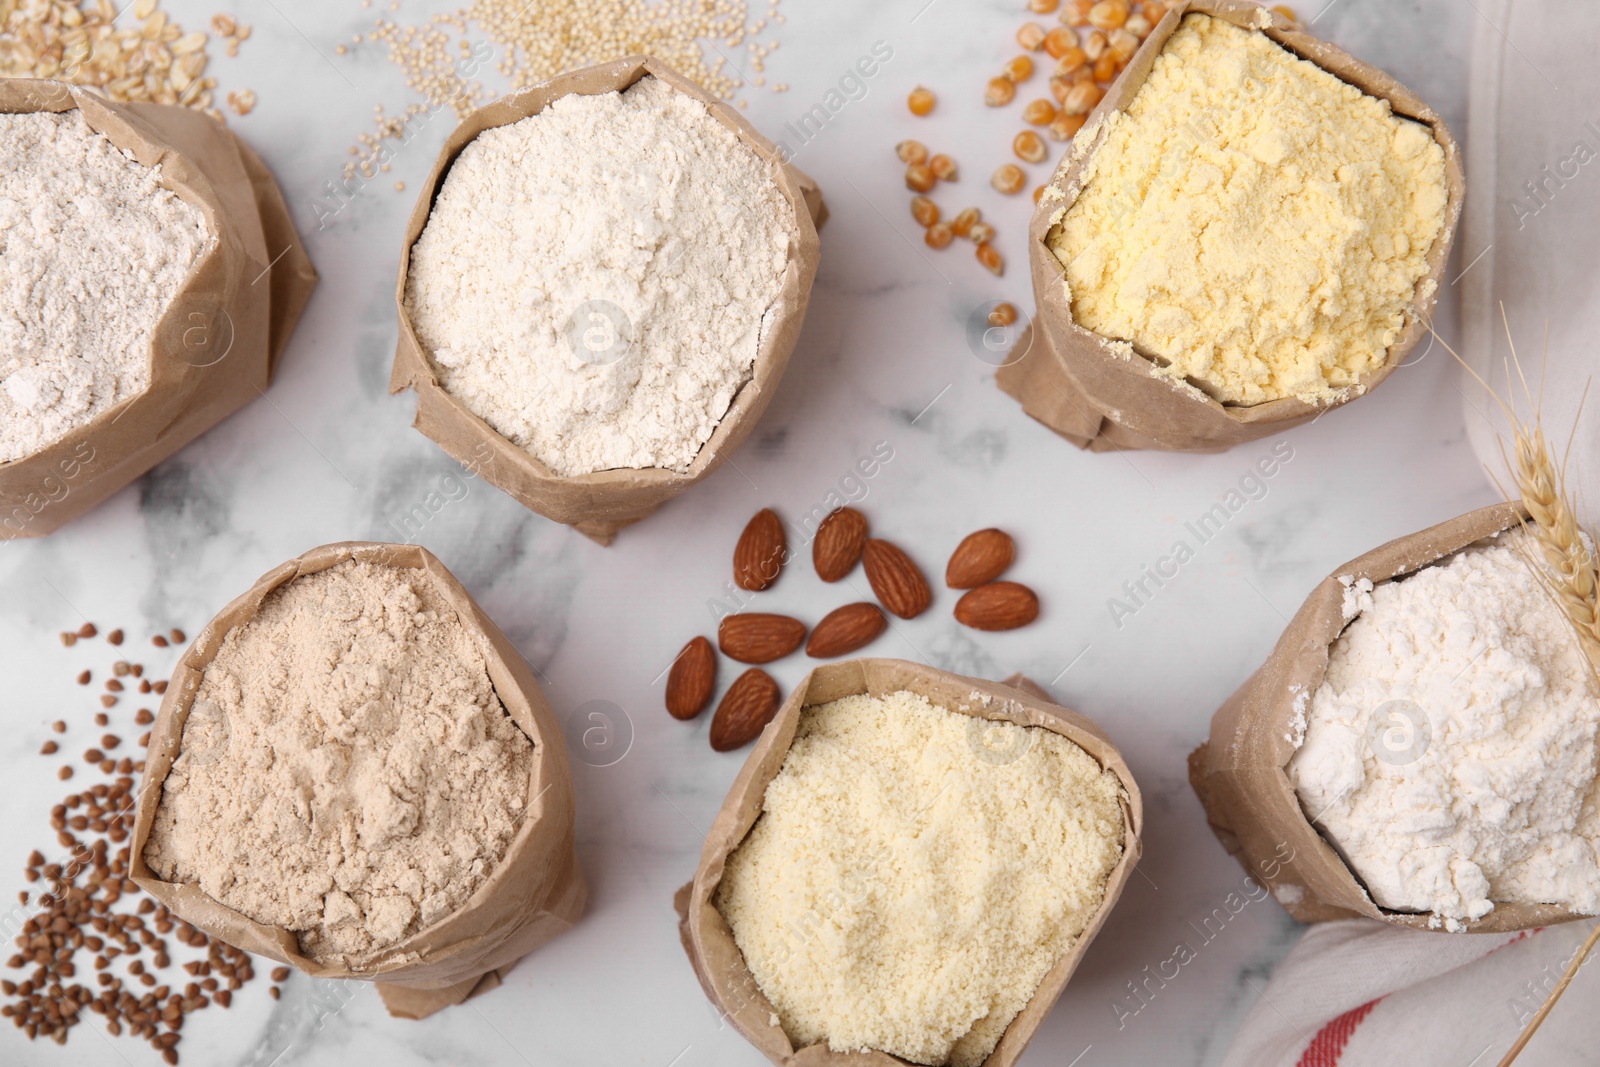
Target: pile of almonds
(842, 540)
(90, 906)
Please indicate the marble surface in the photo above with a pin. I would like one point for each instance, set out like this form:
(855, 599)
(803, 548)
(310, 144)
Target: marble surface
(327, 455)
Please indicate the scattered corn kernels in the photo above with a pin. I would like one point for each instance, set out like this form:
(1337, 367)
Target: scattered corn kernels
(939, 235)
(911, 152)
(1029, 147)
(962, 224)
(1019, 69)
(1008, 179)
(999, 92)
(920, 101)
(1039, 113)
(925, 211)
(943, 167)
(1031, 36)
(919, 178)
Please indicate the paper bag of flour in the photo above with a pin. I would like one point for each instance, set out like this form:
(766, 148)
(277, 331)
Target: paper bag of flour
(1103, 396)
(533, 893)
(602, 503)
(214, 348)
(1241, 773)
(709, 942)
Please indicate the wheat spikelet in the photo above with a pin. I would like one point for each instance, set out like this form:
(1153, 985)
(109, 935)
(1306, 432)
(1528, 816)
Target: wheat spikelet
(1568, 572)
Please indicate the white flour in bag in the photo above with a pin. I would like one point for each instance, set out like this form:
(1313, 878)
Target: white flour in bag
(1450, 752)
(92, 252)
(593, 279)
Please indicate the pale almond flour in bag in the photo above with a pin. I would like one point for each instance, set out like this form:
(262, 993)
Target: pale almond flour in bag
(347, 771)
(92, 252)
(905, 888)
(593, 279)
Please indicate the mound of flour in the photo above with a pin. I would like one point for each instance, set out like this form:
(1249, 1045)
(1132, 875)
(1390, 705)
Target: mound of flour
(593, 279)
(92, 252)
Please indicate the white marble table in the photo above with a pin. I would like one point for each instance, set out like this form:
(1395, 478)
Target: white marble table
(330, 456)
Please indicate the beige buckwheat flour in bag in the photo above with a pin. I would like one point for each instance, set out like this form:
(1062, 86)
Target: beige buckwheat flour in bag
(1450, 752)
(593, 280)
(92, 252)
(904, 889)
(347, 771)
(1253, 220)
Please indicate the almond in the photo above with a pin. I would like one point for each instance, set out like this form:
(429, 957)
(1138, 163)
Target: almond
(998, 606)
(756, 637)
(896, 581)
(843, 630)
(693, 676)
(980, 557)
(746, 708)
(838, 543)
(760, 553)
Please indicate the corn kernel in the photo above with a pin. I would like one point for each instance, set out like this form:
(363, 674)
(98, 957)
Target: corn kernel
(925, 211)
(1105, 68)
(1071, 60)
(1031, 36)
(1038, 194)
(991, 259)
(1108, 14)
(1039, 113)
(1286, 11)
(943, 167)
(1029, 147)
(920, 101)
(919, 178)
(1058, 40)
(1019, 69)
(1081, 99)
(963, 222)
(1042, 7)
(1095, 45)
(1065, 127)
(1008, 179)
(939, 235)
(1138, 25)
(911, 152)
(1000, 92)
(981, 233)
(1003, 314)
(1076, 12)
(1123, 45)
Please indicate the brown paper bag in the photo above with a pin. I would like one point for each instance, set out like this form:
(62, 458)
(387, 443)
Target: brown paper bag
(214, 349)
(1069, 379)
(709, 942)
(602, 503)
(535, 892)
(1241, 773)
